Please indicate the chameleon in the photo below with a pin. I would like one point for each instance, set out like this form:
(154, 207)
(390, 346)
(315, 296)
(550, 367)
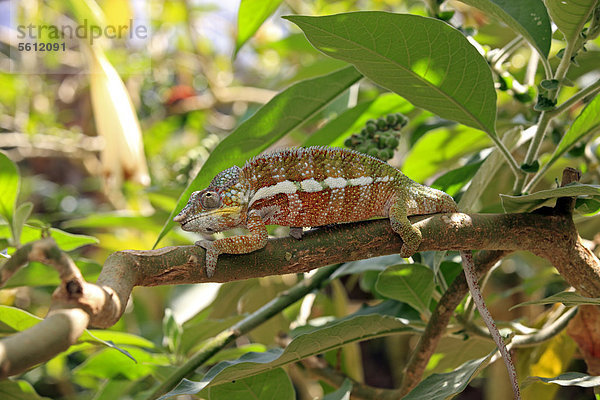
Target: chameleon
(316, 186)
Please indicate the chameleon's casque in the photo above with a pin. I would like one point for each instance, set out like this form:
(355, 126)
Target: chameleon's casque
(308, 187)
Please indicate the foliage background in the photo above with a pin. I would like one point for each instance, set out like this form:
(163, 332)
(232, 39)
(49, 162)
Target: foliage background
(199, 80)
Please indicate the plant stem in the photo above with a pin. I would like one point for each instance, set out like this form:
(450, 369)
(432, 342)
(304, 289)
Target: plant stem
(218, 342)
(506, 51)
(594, 87)
(510, 160)
(546, 117)
(534, 181)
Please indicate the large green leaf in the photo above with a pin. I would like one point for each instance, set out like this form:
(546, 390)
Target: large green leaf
(452, 181)
(318, 341)
(9, 186)
(443, 386)
(251, 15)
(570, 15)
(441, 149)
(534, 200)
(588, 122)
(271, 385)
(527, 17)
(422, 59)
(284, 113)
(409, 283)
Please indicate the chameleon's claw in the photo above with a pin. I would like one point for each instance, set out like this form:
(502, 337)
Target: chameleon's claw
(212, 254)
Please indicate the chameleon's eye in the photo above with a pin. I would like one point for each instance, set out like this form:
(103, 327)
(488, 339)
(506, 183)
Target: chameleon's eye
(210, 200)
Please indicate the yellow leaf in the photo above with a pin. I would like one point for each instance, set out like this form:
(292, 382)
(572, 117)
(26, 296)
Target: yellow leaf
(553, 360)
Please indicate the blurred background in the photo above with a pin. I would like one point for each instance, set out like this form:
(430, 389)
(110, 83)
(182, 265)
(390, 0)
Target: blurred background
(107, 135)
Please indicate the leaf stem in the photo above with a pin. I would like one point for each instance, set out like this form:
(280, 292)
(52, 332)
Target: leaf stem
(594, 87)
(506, 51)
(510, 160)
(536, 178)
(546, 116)
(218, 342)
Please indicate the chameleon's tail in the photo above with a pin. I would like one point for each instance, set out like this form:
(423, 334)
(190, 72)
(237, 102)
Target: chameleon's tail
(469, 268)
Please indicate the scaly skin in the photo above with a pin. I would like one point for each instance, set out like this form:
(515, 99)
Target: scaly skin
(315, 186)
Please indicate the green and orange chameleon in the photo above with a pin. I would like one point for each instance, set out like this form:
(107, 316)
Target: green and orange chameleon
(315, 186)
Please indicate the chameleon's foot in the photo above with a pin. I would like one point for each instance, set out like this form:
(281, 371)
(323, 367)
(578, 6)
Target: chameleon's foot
(412, 238)
(296, 232)
(212, 254)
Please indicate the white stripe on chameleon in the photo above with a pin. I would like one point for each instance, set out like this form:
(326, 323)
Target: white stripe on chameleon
(285, 187)
(362, 181)
(311, 185)
(382, 179)
(335, 183)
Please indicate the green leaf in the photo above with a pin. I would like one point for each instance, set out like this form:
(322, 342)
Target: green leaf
(251, 15)
(17, 319)
(121, 338)
(354, 119)
(549, 84)
(534, 200)
(37, 274)
(441, 149)
(422, 59)
(568, 379)
(453, 351)
(107, 364)
(570, 15)
(586, 123)
(195, 333)
(70, 241)
(273, 384)
(587, 206)
(236, 352)
(21, 215)
(370, 264)
(65, 240)
(318, 341)
(171, 331)
(526, 17)
(531, 168)
(9, 186)
(484, 175)
(443, 386)
(281, 115)
(409, 283)
(569, 299)
(452, 181)
(111, 220)
(343, 393)
(18, 390)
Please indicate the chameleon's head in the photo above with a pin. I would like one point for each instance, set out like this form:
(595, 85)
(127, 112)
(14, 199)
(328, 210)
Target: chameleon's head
(219, 207)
